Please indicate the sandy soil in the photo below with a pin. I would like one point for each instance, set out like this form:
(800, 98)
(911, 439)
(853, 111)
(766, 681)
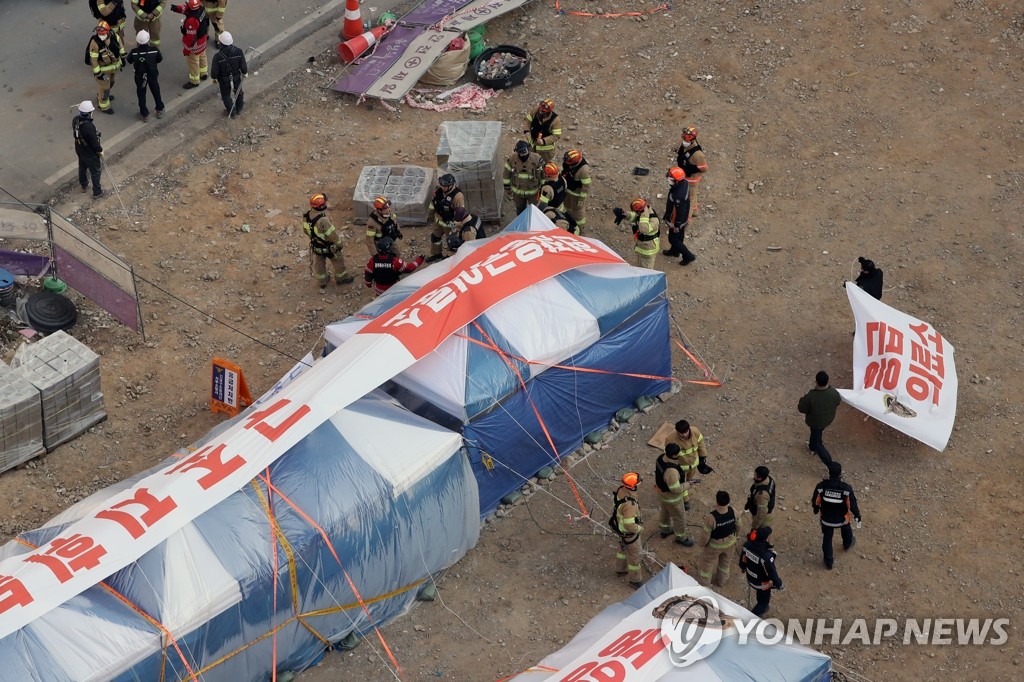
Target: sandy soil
(833, 130)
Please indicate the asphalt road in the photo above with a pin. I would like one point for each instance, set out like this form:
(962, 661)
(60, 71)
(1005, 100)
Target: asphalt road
(42, 77)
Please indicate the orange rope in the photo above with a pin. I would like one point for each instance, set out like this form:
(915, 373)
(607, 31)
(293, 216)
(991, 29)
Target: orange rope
(348, 578)
(612, 15)
(536, 412)
(707, 372)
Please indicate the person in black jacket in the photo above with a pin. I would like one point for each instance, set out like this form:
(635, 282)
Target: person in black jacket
(145, 58)
(677, 215)
(870, 278)
(834, 500)
(227, 69)
(88, 149)
(758, 561)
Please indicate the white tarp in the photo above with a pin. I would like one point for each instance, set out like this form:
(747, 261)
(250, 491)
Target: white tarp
(903, 371)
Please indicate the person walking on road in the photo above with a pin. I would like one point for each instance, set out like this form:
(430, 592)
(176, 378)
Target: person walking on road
(758, 561)
(194, 31)
(835, 502)
(819, 407)
(105, 54)
(145, 57)
(88, 149)
(719, 533)
(227, 69)
(147, 18)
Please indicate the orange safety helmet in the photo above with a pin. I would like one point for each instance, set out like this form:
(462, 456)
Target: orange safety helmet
(676, 173)
(102, 28)
(637, 205)
(631, 480)
(550, 170)
(318, 201)
(572, 157)
(381, 203)
(546, 106)
(193, 4)
(689, 133)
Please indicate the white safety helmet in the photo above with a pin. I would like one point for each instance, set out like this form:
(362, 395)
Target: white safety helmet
(86, 107)
(142, 37)
(226, 39)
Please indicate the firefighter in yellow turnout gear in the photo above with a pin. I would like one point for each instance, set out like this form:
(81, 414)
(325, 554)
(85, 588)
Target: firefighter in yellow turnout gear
(576, 172)
(544, 129)
(718, 536)
(522, 176)
(672, 487)
(106, 56)
(324, 242)
(147, 18)
(693, 452)
(646, 231)
(627, 524)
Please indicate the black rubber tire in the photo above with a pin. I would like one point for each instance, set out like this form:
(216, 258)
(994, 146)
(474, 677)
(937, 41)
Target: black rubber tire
(48, 312)
(514, 78)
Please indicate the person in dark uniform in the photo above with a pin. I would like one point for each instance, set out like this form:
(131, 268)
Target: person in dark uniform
(227, 69)
(758, 560)
(441, 211)
(145, 58)
(677, 215)
(384, 268)
(870, 278)
(88, 149)
(834, 500)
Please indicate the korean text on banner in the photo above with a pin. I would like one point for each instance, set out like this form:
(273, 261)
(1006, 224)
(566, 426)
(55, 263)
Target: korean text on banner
(903, 371)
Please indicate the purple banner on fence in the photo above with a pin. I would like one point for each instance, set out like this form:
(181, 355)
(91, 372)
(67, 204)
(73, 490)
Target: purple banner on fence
(430, 12)
(18, 263)
(357, 79)
(80, 277)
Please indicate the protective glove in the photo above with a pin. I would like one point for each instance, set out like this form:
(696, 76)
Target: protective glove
(702, 466)
(620, 215)
(401, 236)
(815, 510)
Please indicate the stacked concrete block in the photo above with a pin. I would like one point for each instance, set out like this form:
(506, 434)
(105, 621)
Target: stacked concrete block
(408, 187)
(21, 420)
(470, 150)
(67, 375)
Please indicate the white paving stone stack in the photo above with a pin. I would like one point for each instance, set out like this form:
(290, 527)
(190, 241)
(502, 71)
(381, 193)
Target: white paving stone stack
(469, 150)
(21, 420)
(409, 188)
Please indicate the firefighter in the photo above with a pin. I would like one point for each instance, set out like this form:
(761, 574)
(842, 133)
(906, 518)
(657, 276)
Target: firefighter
(690, 157)
(215, 9)
(194, 30)
(562, 220)
(112, 12)
(324, 242)
(758, 561)
(693, 452)
(447, 198)
(628, 525)
(147, 18)
(466, 227)
(835, 501)
(88, 149)
(719, 533)
(381, 223)
(227, 69)
(671, 485)
(646, 231)
(761, 500)
(385, 267)
(522, 176)
(576, 172)
(106, 54)
(552, 191)
(145, 58)
(543, 128)
(677, 215)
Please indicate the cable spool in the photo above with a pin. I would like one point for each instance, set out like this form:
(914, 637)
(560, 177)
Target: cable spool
(54, 285)
(6, 289)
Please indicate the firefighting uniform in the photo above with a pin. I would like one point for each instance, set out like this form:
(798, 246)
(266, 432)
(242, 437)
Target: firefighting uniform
(112, 12)
(324, 245)
(106, 57)
(442, 209)
(384, 269)
(215, 9)
(543, 131)
(552, 193)
(758, 562)
(672, 486)
(691, 450)
(761, 503)
(147, 18)
(194, 31)
(646, 232)
(469, 229)
(577, 181)
(562, 220)
(522, 178)
(378, 227)
(719, 532)
(629, 525)
(695, 164)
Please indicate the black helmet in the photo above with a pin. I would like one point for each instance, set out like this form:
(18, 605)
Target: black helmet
(385, 244)
(522, 148)
(447, 180)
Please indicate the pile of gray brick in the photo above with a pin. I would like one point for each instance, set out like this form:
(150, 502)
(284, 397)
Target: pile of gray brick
(21, 420)
(470, 150)
(408, 187)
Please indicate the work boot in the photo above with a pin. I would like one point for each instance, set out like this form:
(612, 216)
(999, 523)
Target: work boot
(85, 188)
(852, 543)
(99, 195)
(323, 285)
(202, 78)
(688, 542)
(665, 533)
(670, 252)
(687, 261)
(347, 279)
(828, 564)
(435, 257)
(621, 573)
(159, 113)
(143, 118)
(189, 85)
(635, 584)
(686, 506)
(108, 110)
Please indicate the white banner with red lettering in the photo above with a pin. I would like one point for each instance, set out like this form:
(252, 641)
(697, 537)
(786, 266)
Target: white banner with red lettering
(903, 371)
(141, 517)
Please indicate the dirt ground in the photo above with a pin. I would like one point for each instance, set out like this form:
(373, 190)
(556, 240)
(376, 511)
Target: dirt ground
(833, 130)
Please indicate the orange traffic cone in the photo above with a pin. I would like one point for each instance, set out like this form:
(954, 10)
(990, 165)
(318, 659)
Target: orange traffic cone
(353, 26)
(350, 49)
